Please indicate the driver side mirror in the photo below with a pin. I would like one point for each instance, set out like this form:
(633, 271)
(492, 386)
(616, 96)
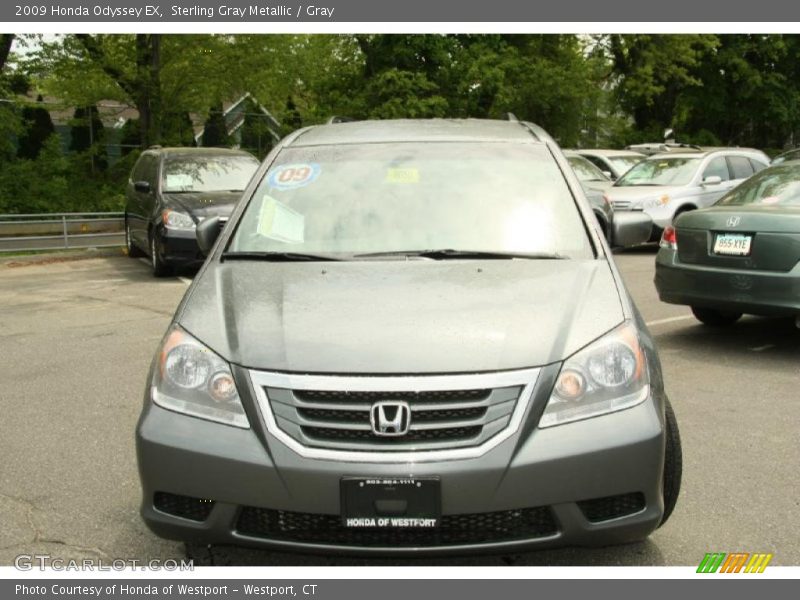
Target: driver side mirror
(712, 180)
(207, 233)
(142, 186)
(610, 175)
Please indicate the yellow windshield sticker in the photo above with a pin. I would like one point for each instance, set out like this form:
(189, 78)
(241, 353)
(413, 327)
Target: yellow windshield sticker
(279, 222)
(407, 175)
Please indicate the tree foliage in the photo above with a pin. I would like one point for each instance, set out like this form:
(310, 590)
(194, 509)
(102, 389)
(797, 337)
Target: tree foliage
(37, 129)
(600, 90)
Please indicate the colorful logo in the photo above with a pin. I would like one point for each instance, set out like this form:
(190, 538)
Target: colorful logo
(736, 562)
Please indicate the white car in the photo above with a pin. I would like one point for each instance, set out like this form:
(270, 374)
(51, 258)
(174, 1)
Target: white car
(665, 185)
(614, 163)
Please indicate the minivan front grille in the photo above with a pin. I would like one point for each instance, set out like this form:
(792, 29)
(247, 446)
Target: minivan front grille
(621, 204)
(478, 528)
(393, 418)
(438, 419)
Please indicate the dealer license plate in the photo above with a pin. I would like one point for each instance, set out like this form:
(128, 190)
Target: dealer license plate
(392, 502)
(733, 244)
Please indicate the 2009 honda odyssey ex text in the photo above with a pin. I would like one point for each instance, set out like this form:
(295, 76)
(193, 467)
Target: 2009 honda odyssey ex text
(410, 337)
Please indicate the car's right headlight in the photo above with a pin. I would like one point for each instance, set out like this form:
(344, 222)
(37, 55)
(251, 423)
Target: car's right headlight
(192, 379)
(608, 375)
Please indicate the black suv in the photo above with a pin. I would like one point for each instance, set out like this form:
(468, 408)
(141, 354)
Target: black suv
(171, 190)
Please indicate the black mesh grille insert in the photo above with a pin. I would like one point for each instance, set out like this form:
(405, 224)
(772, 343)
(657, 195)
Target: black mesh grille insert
(612, 507)
(336, 416)
(410, 397)
(423, 435)
(452, 414)
(362, 416)
(480, 528)
(196, 509)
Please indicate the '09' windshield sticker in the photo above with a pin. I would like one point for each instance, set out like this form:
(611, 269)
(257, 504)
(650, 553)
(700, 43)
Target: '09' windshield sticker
(288, 177)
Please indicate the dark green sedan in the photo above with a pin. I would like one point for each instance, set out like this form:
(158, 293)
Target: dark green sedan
(740, 256)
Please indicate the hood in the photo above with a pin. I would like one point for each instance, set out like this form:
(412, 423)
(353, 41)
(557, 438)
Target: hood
(203, 204)
(634, 196)
(417, 316)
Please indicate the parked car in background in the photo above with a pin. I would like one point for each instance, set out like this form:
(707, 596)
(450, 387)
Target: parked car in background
(171, 190)
(595, 184)
(741, 255)
(666, 185)
(410, 338)
(786, 156)
(651, 148)
(613, 163)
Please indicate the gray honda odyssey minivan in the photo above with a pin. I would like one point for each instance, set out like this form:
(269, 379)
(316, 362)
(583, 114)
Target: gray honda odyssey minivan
(410, 337)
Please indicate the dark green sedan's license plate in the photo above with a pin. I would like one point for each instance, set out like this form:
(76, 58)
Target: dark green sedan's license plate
(392, 502)
(733, 244)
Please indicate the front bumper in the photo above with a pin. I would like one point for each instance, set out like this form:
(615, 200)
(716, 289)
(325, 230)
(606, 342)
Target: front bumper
(767, 293)
(247, 472)
(178, 247)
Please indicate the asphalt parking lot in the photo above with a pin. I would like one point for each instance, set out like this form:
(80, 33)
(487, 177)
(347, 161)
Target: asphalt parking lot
(77, 337)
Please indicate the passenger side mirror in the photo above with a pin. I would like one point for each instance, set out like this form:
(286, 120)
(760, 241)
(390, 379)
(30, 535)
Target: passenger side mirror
(712, 180)
(142, 186)
(207, 233)
(631, 228)
(610, 175)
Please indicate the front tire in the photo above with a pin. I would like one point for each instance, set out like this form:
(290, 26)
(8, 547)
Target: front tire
(673, 463)
(715, 318)
(133, 250)
(160, 266)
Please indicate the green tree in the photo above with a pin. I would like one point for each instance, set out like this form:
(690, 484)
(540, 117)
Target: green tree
(749, 95)
(38, 127)
(87, 135)
(652, 71)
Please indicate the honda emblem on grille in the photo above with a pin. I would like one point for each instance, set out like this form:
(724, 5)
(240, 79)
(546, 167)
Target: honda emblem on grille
(733, 221)
(390, 418)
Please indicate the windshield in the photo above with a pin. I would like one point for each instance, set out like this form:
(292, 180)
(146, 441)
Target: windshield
(661, 171)
(622, 164)
(774, 186)
(378, 198)
(207, 174)
(585, 170)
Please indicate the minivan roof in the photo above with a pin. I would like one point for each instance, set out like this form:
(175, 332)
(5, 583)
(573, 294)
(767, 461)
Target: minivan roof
(608, 152)
(416, 130)
(202, 151)
(749, 152)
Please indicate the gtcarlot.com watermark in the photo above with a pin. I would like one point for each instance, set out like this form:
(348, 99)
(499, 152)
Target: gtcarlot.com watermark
(29, 562)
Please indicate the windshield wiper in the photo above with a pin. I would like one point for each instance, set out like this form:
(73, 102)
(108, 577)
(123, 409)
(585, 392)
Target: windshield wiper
(448, 253)
(279, 256)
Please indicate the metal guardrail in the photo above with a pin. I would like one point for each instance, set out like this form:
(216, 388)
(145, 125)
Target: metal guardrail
(61, 231)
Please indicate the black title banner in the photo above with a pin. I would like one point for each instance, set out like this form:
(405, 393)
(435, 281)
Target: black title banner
(342, 589)
(472, 11)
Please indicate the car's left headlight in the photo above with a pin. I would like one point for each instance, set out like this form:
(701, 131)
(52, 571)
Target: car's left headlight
(608, 375)
(174, 219)
(192, 379)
